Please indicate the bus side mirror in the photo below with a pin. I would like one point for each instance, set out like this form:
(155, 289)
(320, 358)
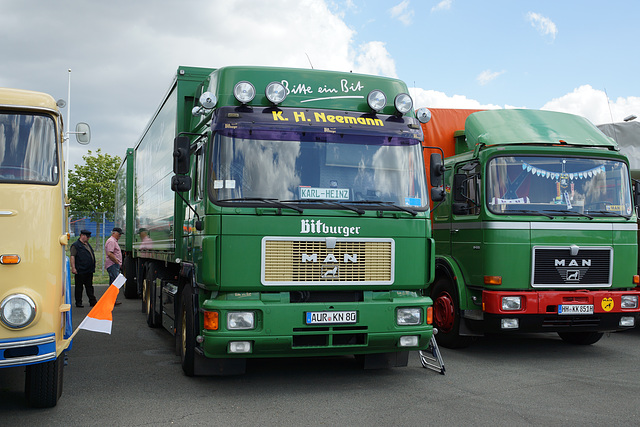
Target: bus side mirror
(83, 133)
(181, 146)
(180, 183)
(436, 170)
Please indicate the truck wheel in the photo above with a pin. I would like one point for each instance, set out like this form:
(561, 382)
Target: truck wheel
(581, 338)
(187, 336)
(43, 383)
(153, 319)
(131, 286)
(446, 315)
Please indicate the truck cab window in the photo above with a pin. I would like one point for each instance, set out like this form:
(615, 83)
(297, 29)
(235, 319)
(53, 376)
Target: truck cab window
(467, 189)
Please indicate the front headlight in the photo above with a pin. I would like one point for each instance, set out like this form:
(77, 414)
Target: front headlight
(240, 320)
(511, 303)
(629, 301)
(17, 311)
(409, 316)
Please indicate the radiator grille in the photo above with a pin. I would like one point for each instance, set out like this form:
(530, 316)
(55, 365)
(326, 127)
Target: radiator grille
(314, 261)
(557, 267)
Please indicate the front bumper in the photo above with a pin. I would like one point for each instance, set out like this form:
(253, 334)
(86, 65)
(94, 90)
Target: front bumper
(540, 313)
(281, 330)
(27, 350)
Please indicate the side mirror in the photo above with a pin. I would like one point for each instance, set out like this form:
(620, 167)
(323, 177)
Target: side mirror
(180, 183)
(436, 170)
(459, 191)
(83, 133)
(181, 146)
(460, 208)
(437, 194)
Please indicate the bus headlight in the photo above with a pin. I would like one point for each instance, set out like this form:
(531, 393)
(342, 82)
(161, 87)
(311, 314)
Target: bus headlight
(17, 311)
(409, 316)
(240, 320)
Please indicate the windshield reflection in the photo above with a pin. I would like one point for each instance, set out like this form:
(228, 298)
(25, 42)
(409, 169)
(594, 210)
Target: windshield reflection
(557, 185)
(28, 149)
(312, 170)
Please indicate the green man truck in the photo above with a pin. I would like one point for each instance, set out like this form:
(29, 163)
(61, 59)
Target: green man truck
(274, 212)
(537, 232)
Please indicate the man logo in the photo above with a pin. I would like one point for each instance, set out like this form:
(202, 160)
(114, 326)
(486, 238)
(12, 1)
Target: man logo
(573, 275)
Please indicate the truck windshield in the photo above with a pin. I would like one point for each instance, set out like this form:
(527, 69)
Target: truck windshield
(28, 152)
(522, 185)
(318, 169)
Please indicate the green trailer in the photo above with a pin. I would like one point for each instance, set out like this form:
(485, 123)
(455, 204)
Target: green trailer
(538, 229)
(274, 212)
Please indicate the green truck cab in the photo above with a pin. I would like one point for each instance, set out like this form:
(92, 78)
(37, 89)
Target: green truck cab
(537, 232)
(298, 224)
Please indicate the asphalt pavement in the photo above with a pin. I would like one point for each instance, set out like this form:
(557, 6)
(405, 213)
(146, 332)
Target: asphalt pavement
(133, 378)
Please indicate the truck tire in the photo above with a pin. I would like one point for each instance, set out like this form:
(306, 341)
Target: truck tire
(153, 318)
(581, 338)
(131, 285)
(446, 314)
(43, 383)
(187, 335)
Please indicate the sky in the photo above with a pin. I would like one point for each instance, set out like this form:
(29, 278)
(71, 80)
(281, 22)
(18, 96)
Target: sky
(572, 56)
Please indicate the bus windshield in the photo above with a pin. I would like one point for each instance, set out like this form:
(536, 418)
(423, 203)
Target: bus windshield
(28, 152)
(558, 185)
(308, 168)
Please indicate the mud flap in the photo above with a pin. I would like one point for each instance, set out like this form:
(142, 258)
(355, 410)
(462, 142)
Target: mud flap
(386, 360)
(204, 366)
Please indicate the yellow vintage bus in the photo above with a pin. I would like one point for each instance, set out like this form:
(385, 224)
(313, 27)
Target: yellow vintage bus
(35, 309)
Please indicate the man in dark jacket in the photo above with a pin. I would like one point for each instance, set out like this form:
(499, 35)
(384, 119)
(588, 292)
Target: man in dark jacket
(83, 265)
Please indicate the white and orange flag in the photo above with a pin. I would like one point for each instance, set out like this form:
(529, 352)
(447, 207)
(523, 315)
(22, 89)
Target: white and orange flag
(99, 318)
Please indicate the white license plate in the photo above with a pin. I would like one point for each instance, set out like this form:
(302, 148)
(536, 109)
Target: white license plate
(329, 317)
(575, 309)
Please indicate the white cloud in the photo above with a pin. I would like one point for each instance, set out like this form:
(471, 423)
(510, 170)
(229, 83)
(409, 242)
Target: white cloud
(487, 76)
(544, 25)
(123, 54)
(594, 105)
(435, 99)
(373, 58)
(402, 13)
(443, 5)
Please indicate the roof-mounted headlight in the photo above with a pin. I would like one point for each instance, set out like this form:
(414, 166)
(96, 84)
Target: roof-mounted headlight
(376, 100)
(207, 102)
(17, 311)
(403, 103)
(423, 115)
(244, 92)
(275, 92)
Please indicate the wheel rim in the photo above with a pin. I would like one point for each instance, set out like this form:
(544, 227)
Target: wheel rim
(444, 312)
(147, 297)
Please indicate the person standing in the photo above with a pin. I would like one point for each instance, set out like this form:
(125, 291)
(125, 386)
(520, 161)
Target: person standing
(113, 259)
(83, 265)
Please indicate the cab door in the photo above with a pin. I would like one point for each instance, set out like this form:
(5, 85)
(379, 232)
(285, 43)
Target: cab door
(466, 226)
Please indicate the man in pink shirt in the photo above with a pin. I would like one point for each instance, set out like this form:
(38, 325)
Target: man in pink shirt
(113, 259)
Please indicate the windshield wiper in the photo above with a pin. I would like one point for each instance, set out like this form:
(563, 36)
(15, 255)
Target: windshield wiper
(609, 213)
(566, 211)
(526, 211)
(381, 203)
(264, 200)
(327, 202)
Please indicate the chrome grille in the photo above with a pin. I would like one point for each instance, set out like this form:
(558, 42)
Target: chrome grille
(327, 261)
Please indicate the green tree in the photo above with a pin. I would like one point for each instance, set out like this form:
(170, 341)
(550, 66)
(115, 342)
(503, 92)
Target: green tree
(92, 186)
